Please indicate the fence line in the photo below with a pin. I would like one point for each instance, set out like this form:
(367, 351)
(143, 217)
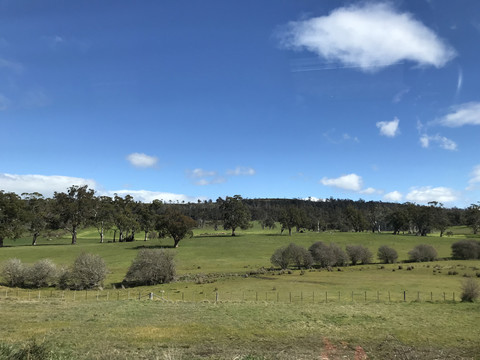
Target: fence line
(269, 296)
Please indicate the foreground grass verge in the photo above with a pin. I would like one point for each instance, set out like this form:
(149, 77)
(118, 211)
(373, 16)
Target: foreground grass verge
(150, 330)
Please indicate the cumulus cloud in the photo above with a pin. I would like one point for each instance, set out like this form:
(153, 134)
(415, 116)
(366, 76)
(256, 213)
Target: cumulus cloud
(351, 182)
(148, 196)
(474, 181)
(369, 36)
(427, 194)
(43, 184)
(389, 128)
(142, 160)
(442, 141)
(394, 196)
(460, 115)
(241, 171)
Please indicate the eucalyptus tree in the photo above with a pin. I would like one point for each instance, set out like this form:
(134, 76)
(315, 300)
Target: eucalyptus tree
(290, 218)
(103, 215)
(235, 213)
(37, 214)
(123, 217)
(74, 208)
(175, 225)
(11, 216)
(472, 217)
(145, 216)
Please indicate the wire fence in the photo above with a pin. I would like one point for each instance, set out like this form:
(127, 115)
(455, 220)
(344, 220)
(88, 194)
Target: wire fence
(294, 297)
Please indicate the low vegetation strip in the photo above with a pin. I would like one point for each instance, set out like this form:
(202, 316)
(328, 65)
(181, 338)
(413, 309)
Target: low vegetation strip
(265, 296)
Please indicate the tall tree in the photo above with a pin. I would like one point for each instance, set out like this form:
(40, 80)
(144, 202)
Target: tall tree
(11, 216)
(472, 217)
(74, 208)
(235, 214)
(289, 218)
(176, 225)
(37, 214)
(103, 215)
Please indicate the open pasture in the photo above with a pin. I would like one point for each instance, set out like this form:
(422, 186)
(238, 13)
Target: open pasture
(260, 314)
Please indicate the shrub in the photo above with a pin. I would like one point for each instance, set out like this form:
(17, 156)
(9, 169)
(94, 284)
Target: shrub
(88, 272)
(150, 267)
(423, 252)
(13, 272)
(466, 249)
(387, 254)
(292, 254)
(470, 290)
(43, 273)
(328, 255)
(359, 253)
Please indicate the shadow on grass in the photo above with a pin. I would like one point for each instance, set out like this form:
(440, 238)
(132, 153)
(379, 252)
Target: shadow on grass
(151, 247)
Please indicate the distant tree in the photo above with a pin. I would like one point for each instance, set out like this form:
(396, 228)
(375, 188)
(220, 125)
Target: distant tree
(359, 253)
(103, 215)
(176, 225)
(235, 214)
(74, 208)
(423, 252)
(397, 220)
(472, 217)
(439, 217)
(146, 218)
(11, 216)
(37, 214)
(387, 254)
(123, 217)
(289, 218)
(355, 219)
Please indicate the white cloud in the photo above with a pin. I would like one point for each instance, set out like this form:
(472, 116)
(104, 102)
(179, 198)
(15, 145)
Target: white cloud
(148, 196)
(427, 194)
(205, 177)
(394, 196)
(199, 173)
(4, 102)
(399, 96)
(475, 178)
(370, 191)
(442, 141)
(351, 182)
(389, 128)
(142, 160)
(464, 114)
(43, 184)
(369, 36)
(241, 171)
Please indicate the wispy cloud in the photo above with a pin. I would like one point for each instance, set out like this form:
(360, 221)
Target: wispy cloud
(460, 115)
(427, 194)
(241, 171)
(4, 102)
(442, 141)
(43, 184)
(389, 128)
(15, 66)
(474, 181)
(369, 36)
(203, 177)
(399, 96)
(394, 196)
(332, 137)
(141, 160)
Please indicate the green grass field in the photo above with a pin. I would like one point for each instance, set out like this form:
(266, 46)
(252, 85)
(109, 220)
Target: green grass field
(301, 315)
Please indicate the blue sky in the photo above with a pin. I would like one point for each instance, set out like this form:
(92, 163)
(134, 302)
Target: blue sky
(186, 100)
